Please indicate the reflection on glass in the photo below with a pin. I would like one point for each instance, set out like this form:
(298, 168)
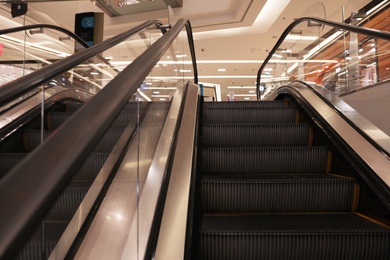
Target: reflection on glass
(340, 61)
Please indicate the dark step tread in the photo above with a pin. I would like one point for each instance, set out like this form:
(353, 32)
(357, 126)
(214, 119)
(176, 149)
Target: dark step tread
(343, 223)
(266, 159)
(32, 139)
(87, 172)
(55, 119)
(33, 248)
(72, 107)
(251, 115)
(293, 237)
(256, 134)
(9, 160)
(278, 193)
(68, 202)
(246, 104)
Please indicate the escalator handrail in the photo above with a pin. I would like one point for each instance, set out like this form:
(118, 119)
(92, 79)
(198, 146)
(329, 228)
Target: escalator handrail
(22, 85)
(336, 25)
(28, 191)
(49, 26)
(374, 160)
(192, 50)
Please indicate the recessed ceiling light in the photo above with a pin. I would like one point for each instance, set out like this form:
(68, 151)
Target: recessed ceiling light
(221, 69)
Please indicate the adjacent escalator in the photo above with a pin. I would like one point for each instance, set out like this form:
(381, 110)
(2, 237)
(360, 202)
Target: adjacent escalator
(25, 140)
(272, 186)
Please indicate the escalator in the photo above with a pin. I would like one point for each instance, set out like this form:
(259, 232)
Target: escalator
(26, 140)
(273, 185)
(75, 158)
(270, 180)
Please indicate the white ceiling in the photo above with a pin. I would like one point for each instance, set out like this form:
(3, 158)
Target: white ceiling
(234, 34)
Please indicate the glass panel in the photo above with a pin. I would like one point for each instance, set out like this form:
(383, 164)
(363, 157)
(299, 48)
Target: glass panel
(345, 63)
(25, 51)
(88, 77)
(173, 70)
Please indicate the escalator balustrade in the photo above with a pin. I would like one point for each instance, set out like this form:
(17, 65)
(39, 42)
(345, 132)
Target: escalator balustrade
(46, 236)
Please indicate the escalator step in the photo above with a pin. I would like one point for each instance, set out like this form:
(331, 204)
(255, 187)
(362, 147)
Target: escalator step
(9, 161)
(72, 107)
(32, 138)
(91, 167)
(55, 119)
(256, 134)
(36, 248)
(87, 172)
(250, 115)
(277, 193)
(267, 159)
(244, 104)
(296, 236)
(69, 201)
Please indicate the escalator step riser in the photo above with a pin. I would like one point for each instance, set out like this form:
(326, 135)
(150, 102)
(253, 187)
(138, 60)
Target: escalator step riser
(87, 172)
(250, 115)
(55, 119)
(32, 250)
(67, 204)
(321, 246)
(256, 134)
(36, 250)
(9, 161)
(72, 107)
(235, 160)
(245, 104)
(32, 139)
(260, 196)
(91, 167)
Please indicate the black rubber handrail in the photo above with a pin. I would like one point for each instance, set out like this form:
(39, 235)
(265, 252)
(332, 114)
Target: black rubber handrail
(28, 191)
(336, 25)
(48, 26)
(22, 85)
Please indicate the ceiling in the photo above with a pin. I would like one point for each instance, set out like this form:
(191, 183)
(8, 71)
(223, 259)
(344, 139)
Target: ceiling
(232, 37)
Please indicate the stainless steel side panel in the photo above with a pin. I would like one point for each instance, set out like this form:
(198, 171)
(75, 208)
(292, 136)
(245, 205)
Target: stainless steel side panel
(172, 234)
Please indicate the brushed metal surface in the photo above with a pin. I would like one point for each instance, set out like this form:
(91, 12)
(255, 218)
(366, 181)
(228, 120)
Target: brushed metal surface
(122, 225)
(51, 95)
(171, 240)
(373, 157)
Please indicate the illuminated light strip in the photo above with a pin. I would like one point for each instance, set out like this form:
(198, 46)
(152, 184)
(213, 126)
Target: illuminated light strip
(244, 95)
(271, 12)
(376, 7)
(144, 95)
(322, 44)
(35, 46)
(169, 62)
(160, 96)
(301, 38)
(241, 87)
(162, 88)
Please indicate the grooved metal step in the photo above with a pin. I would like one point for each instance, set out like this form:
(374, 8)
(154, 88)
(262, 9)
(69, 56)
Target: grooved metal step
(293, 236)
(277, 193)
(55, 119)
(87, 172)
(41, 245)
(32, 139)
(256, 134)
(9, 161)
(245, 104)
(266, 159)
(250, 115)
(67, 204)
